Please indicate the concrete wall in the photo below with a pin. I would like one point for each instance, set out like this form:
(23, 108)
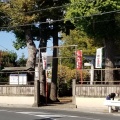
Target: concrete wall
(86, 101)
(17, 100)
(90, 102)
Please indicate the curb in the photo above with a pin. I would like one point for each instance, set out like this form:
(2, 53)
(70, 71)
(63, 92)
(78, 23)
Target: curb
(66, 106)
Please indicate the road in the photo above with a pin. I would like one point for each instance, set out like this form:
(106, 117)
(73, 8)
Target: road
(48, 114)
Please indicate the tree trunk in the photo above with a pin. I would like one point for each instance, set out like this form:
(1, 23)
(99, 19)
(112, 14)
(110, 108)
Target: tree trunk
(31, 52)
(53, 90)
(109, 61)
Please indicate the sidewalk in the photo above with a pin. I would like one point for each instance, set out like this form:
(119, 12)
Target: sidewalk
(64, 104)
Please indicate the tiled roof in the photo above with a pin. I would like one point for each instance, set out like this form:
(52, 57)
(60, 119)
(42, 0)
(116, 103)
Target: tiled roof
(16, 69)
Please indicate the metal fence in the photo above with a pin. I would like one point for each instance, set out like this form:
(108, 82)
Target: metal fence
(95, 84)
(98, 76)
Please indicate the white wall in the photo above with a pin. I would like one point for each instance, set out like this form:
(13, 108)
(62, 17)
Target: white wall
(17, 100)
(93, 102)
(90, 102)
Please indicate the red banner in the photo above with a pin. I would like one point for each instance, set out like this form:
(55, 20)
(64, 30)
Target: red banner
(79, 59)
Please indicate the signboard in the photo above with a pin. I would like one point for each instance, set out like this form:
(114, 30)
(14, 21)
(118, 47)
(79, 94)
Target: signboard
(16, 79)
(48, 75)
(79, 59)
(36, 73)
(44, 60)
(98, 62)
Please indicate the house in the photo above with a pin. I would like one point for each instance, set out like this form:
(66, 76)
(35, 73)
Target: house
(19, 75)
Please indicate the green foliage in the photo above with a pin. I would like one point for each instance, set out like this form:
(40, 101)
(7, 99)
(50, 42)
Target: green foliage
(83, 42)
(21, 62)
(7, 59)
(65, 76)
(99, 19)
(64, 73)
(17, 15)
(17, 10)
(22, 14)
(20, 39)
(93, 19)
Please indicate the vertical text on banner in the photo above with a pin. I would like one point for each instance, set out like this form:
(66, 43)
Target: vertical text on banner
(98, 62)
(79, 59)
(44, 60)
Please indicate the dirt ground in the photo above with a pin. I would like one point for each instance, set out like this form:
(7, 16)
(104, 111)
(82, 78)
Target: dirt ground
(65, 99)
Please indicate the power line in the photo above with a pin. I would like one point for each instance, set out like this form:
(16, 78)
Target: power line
(4, 47)
(50, 8)
(57, 7)
(53, 21)
(9, 50)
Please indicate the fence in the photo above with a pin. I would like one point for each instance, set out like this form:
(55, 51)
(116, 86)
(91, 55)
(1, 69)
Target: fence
(96, 90)
(99, 76)
(10, 90)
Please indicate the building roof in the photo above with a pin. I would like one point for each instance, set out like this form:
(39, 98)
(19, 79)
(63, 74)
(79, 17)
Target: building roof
(17, 69)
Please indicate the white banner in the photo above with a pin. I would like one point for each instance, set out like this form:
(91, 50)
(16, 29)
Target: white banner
(98, 62)
(44, 60)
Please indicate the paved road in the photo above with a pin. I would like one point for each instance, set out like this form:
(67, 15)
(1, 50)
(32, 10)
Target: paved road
(47, 114)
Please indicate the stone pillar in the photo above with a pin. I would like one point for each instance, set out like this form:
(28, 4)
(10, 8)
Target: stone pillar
(36, 93)
(73, 90)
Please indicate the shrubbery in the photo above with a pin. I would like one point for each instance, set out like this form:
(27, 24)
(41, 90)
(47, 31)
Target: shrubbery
(65, 76)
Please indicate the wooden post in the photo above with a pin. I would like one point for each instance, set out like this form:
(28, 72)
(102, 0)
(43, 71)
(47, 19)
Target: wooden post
(81, 77)
(36, 93)
(73, 90)
(46, 86)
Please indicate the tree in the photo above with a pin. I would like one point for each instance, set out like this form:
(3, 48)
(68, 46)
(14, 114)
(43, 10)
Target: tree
(16, 14)
(23, 18)
(53, 28)
(100, 20)
(7, 59)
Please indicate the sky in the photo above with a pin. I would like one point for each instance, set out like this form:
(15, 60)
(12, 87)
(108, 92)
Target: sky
(6, 44)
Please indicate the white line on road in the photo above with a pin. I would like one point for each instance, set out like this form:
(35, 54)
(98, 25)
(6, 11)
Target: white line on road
(48, 115)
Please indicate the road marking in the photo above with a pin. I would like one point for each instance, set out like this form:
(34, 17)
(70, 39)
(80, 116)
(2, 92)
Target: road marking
(2, 110)
(117, 114)
(53, 116)
(49, 115)
(32, 113)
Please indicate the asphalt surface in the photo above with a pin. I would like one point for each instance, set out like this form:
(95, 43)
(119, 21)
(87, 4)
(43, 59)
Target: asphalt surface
(64, 110)
(13, 113)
